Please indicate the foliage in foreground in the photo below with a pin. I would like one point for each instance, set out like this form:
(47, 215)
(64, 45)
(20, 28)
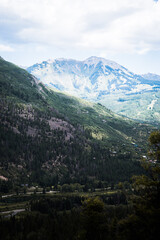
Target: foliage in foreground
(93, 218)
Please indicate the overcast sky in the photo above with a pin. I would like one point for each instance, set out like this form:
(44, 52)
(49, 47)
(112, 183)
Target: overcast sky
(124, 31)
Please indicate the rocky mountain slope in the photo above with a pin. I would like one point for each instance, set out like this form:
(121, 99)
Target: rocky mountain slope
(103, 81)
(151, 76)
(48, 137)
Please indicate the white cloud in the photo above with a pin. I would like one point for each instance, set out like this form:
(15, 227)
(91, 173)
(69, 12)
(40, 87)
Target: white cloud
(6, 48)
(115, 26)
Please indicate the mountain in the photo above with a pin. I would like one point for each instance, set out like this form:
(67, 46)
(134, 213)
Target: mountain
(104, 81)
(92, 78)
(151, 76)
(49, 138)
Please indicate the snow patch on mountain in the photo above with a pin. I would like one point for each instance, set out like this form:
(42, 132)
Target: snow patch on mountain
(150, 106)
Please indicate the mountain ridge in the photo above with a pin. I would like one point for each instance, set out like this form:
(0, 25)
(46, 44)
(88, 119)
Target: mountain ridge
(151, 76)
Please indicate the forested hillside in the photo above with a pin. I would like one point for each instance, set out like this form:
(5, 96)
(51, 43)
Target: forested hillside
(49, 138)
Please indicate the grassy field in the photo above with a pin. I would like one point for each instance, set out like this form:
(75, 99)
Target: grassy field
(14, 202)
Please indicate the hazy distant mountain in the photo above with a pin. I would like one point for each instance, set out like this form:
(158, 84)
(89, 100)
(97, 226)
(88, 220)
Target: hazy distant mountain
(151, 76)
(104, 81)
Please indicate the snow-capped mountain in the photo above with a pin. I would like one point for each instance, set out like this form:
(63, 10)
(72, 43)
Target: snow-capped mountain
(151, 76)
(96, 79)
(91, 79)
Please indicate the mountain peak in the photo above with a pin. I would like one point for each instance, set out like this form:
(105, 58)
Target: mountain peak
(95, 60)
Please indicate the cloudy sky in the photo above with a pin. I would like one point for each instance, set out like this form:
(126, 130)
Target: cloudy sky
(124, 31)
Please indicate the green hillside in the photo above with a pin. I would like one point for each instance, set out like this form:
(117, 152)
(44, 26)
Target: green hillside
(49, 138)
(142, 106)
